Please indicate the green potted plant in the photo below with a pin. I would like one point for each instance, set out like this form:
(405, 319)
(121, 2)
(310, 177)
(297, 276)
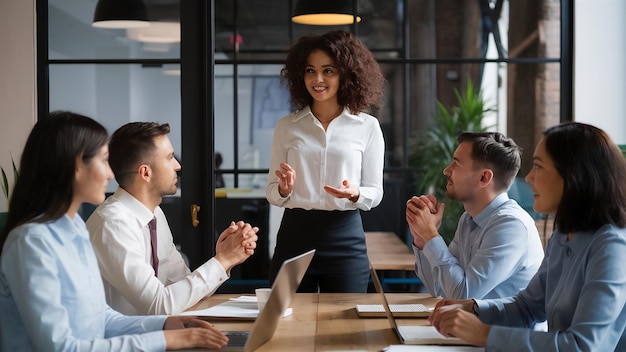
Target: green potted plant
(6, 190)
(432, 151)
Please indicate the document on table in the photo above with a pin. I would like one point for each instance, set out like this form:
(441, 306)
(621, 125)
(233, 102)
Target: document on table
(426, 335)
(240, 308)
(412, 310)
(427, 348)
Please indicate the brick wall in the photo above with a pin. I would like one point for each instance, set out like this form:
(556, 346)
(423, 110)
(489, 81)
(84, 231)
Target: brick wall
(534, 90)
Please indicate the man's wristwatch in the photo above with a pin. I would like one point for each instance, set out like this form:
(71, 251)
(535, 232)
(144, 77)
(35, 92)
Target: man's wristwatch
(475, 309)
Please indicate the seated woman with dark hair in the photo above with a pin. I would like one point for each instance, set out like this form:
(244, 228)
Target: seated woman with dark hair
(51, 292)
(579, 176)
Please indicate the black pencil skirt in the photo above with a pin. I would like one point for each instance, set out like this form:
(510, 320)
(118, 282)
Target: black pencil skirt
(340, 263)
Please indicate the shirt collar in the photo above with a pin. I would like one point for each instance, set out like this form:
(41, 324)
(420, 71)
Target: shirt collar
(141, 212)
(306, 111)
(67, 229)
(580, 240)
(482, 218)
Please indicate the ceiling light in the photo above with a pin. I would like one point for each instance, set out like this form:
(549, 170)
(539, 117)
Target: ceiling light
(171, 70)
(325, 12)
(156, 47)
(120, 14)
(157, 32)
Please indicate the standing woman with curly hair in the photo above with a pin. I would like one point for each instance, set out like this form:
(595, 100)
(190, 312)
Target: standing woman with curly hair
(328, 159)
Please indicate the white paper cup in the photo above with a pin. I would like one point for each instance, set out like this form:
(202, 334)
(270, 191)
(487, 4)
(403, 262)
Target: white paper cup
(262, 294)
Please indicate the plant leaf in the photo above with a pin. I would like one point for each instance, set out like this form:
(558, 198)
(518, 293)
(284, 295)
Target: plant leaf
(434, 149)
(5, 184)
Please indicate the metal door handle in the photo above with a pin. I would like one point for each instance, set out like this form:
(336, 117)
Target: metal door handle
(195, 209)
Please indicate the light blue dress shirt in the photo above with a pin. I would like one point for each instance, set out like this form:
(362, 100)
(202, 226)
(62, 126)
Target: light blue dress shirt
(492, 255)
(52, 298)
(580, 289)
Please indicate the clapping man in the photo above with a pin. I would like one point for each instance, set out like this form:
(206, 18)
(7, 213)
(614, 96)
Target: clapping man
(143, 272)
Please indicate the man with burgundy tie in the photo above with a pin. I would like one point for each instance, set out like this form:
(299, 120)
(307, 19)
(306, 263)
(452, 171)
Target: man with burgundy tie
(496, 248)
(142, 270)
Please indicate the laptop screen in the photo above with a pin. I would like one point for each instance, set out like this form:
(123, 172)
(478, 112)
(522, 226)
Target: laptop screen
(285, 286)
(379, 289)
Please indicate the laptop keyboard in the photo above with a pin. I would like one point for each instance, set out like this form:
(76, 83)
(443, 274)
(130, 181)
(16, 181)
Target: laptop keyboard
(237, 338)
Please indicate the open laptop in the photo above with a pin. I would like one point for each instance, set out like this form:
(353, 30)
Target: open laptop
(412, 334)
(287, 281)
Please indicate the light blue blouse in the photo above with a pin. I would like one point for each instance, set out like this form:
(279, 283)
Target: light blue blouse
(52, 298)
(580, 289)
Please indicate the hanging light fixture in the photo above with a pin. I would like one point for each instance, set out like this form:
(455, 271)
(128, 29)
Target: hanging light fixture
(325, 12)
(157, 32)
(120, 14)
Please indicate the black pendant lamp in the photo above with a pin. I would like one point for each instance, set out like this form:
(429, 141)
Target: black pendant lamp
(120, 14)
(325, 12)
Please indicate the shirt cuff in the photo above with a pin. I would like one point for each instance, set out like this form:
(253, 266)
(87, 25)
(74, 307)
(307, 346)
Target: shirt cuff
(483, 308)
(435, 249)
(154, 322)
(213, 270)
(154, 339)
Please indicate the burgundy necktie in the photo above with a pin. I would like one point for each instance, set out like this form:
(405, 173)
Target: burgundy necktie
(153, 244)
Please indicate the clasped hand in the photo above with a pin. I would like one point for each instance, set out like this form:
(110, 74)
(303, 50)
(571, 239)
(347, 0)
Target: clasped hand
(423, 215)
(235, 244)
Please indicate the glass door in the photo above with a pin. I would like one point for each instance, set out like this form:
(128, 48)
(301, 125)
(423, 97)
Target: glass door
(120, 75)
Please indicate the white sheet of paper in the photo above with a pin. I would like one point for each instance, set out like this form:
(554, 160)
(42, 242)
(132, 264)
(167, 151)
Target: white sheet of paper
(428, 348)
(243, 307)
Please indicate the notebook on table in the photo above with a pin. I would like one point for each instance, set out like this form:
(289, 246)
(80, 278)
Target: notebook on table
(412, 334)
(287, 281)
(411, 310)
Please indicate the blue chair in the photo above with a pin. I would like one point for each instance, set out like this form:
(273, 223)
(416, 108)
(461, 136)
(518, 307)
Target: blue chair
(522, 192)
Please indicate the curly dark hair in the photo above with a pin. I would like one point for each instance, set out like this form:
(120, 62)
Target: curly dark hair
(361, 81)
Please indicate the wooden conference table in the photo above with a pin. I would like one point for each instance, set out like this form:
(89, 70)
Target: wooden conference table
(386, 251)
(328, 322)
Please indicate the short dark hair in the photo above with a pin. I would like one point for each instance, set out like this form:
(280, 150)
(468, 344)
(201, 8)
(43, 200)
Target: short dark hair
(501, 154)
(361, 82)
(132, 145)
(44, 188)
(594, 177)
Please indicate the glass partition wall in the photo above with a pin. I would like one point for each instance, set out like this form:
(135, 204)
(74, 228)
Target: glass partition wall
(516, 54)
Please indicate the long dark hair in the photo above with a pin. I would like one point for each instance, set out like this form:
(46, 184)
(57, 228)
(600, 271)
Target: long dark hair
(45, 186)
(594, 177)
